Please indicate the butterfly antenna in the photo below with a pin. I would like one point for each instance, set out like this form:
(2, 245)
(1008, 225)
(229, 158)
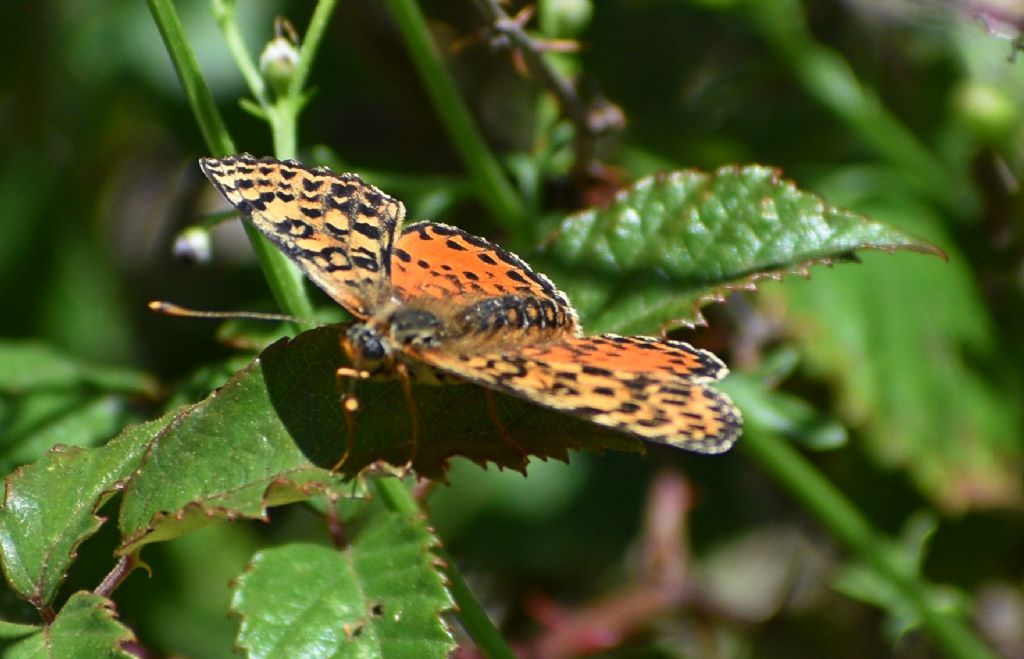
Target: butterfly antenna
(171, 309)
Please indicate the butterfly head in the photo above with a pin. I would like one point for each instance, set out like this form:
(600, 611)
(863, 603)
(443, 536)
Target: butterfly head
(366, 347)
(372, 345)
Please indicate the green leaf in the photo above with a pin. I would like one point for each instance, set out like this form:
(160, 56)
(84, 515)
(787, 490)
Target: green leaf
(50, 506)
(38, 421)
(226, 457)
(382, 596)
(26, 365)
(11, 631)
(673, 242)
(85, 627)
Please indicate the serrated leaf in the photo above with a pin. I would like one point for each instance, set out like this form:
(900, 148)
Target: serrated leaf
(671, 242)
(382, 596)
(85, 627)
(26, 365)
(49, 508)
(453, 419)
(226, 457)
(255, 441)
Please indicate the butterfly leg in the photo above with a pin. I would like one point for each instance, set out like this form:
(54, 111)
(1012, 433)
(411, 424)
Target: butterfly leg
(349, 407)
(414, 418)
(506, 436)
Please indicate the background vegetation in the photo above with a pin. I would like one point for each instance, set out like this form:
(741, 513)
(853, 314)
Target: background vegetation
(899, 379)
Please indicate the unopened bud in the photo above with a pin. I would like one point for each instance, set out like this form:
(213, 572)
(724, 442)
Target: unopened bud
(279, 58)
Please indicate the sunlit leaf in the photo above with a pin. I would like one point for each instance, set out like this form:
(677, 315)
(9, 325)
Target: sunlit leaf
(226, 457)
(50, 506)
(85, 627)
(382, 596)
(672, 242)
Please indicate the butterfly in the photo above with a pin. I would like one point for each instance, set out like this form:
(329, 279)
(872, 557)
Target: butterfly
(436, 304)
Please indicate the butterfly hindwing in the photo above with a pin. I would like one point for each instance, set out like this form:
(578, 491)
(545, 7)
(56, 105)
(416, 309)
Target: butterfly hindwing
(670, 404)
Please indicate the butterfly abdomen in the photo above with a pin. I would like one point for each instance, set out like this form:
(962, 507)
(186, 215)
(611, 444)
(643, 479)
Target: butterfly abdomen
(514, 312)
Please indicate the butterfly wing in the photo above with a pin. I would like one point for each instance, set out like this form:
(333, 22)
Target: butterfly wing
(433, 261)
(338, 229)
(651, 388)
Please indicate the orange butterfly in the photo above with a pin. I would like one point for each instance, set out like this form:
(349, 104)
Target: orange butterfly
(433, 302)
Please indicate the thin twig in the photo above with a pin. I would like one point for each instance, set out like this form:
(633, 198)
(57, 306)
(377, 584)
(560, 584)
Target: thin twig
(124, 566)
(592, 120)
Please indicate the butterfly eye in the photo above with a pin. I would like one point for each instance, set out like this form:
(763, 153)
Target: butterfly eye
(366, 342)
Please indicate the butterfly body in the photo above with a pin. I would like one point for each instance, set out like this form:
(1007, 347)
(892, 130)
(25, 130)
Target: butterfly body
(438, 304)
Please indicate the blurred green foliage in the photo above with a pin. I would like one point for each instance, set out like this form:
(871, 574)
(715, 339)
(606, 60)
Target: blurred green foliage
(907, 112)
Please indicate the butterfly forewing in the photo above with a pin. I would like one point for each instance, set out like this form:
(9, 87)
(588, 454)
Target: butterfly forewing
(433, 260)
(338, 229)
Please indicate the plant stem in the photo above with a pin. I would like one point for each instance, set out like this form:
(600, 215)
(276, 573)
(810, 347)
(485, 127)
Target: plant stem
(284, 279)
(310, 44)
(391, 491)
(493, 188)
(397, 497)
(224, 11)
(215, 133)
(846, 523)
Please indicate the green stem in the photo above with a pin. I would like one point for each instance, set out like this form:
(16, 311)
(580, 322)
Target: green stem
(224, 11)
(215, 133)
(474, 618)
(284, 113)
(493, 188)
(846, 523)
(391, 491)
(284, 279)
